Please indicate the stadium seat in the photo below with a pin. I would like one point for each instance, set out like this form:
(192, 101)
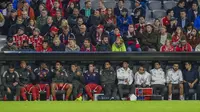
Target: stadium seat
(169, 4)
(109, 4)
(154, 5)
(159, 13)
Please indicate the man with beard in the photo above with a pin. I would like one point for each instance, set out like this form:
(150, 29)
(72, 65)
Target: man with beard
(104, 45)
(36, 40)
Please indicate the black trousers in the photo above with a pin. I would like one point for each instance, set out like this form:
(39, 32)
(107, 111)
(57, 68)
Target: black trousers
(122, 88)
(186, 90)
(77, 89)
(160, 88)
(110, 90)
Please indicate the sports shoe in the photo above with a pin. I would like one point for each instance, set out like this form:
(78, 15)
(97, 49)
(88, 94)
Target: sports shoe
(170, 97)
(79, 99)
(182, 97)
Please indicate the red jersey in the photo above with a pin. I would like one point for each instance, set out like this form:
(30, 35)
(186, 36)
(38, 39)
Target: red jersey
(164, 48)
(186, 48)
(165, 21)
(18, 40)
(53, 12)
(49, 4)
(36, 41)
(41, 49)
(139, 25)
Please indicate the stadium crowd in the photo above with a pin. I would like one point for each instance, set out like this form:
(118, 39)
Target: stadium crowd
(62, 25)
(76, 81)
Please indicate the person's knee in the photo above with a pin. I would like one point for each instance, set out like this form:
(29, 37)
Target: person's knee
(70, 86)
(181, 86)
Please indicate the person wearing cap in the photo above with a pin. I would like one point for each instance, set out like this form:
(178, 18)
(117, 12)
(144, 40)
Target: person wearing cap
(166, 20)
(72, 46)
(26, 78)
(149, 39)
(183, 20)
(172, 25)
(118, 45)
(9, 46)
(56, 8)
(51, 35)
(87, 46)
(46, 28)
(43, 79)
(44, 48)
(104, 45)
(35, 40)
(177, 9)
(9, 21)
(10, 80)
(81, 35)
(108, 78)
(125, 79)
(96, 36)
(95, 19)
(119, 7)
(73, 17)
(184, 46)
(25, 46)
(57, 45)
(163, 36)
(20, 37)
(124, 20)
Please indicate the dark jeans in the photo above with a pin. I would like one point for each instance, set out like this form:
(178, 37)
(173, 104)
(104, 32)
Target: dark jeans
(110, 90)
(122, 88)
(186, 90)
(160, 88)
(77, 89)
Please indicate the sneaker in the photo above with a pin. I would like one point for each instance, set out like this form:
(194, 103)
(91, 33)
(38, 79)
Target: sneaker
(182, 97)
(112, 98)
(79, 99)
(170, 97)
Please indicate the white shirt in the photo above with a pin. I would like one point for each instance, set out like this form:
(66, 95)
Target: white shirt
(123, 75)
(174, 76)
(157, 76)
(142, 78)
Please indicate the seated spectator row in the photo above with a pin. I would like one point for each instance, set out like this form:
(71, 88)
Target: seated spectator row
(75, 81)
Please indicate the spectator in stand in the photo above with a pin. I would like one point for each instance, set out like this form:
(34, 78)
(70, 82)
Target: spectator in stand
(124, 20)
(25, 46)
(87, 46)
(58, 18)
(19, 3)
(135, 16)
(31, 26)
(157, 25)
(61, 81)
(7, 12)
(95, 19)
(189, 29)
(172, 26)
(9, 46)
(82, 35)
(26, 18)
(56, 7)
(57, 45)
(177, 36)
(76, 3)
(96, 36)
(26, 7)
(177, 9)
(190, 79)
(142, 78)
(193, 12)
(45, 47)
(163, 36)
(158, 79)
(69, 10)
(193, 38)
(114, 34)
(184, 46)
(36, 39)
(9, 21)
(37, 6)
(76, 28)
(14, 28)
(130, 39)
(183, 20)
(20, 37)
(119, 7)
(118, 45)
(167, 47)
(175, 80)
(197, 23)
(108, 78)
(87, 11)
(104, 45)
(139, 7)
(51, 35)
(46, 28)
(92, 82)
(110, 20)
(42, 19)
(102, 8)
(50, 3)
(43, 79)
(125, 80)
(73, 17)
(72, 46)
(166, 20)
(64, 36)
(141, 25)
(188, 4)
(149, 39)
